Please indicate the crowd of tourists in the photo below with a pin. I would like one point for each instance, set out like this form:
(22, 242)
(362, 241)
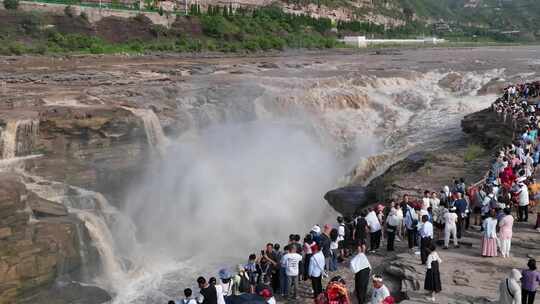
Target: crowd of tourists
(506, 193)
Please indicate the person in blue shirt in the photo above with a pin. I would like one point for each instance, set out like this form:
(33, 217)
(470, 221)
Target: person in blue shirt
(461, 206)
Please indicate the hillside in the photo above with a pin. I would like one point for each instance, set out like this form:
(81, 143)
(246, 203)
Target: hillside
(34, 28)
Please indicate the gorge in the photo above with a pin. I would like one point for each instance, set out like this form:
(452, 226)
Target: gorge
(123, 178)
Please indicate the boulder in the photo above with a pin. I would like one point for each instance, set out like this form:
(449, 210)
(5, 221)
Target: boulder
(347, 200)
(452, 82)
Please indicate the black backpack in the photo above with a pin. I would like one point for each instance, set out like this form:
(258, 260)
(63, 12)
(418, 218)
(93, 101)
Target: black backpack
(244, 285)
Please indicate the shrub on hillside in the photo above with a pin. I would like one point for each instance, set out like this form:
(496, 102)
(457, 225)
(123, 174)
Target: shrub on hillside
(218, 27)
(11, 4)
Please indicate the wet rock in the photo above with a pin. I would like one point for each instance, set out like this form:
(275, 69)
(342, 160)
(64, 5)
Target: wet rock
(452, 82)
(347, 200)
(487, 129)
(495, 86)
(43, 207)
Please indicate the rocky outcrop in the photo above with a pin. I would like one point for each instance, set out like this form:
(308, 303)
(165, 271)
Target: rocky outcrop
(347, 200)
(100, 148)
(488, 128)
(33, 252)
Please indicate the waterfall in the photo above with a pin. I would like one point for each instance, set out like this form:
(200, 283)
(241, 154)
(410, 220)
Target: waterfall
(18, 137)
(113, 270)
(97, 215)
(154, 132)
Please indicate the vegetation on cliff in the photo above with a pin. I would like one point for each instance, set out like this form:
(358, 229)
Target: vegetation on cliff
(219, 29)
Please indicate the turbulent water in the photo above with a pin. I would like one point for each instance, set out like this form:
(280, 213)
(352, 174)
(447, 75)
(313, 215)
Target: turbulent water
(252, 166)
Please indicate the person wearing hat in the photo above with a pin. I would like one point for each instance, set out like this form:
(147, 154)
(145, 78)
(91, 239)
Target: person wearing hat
(450, 228)
(227, 283)
(317, 270)
(268, 296)
(380, 291)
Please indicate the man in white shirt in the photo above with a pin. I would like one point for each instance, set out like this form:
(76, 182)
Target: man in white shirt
(380, 292)
(450, 228)
(341, 236)
(426, 236)
(292, 262)
(361, 268)
(374, 231)
(523, 202)
(392, 223)
(316, 270)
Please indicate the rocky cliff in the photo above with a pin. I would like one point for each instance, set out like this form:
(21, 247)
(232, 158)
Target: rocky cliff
(39, 242)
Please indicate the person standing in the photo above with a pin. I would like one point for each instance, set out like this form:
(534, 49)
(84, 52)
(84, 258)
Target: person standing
(450, 229)
(426, 237)
(505, 233)
(308, 245)
(361, 268)
(375, 231)
(489, 235)
(334, 250)
(399, 213)
(529, 282)
(292, 269)
(426, 200)
(392, 223)
(254, 272)
(219, 290)
(461, 206)
(523, 202)
(509, 289)
(434, 201)
(325, 244)
(342, 229)
(227, 283)
(360, 229)
(432, 282)
(411, 224)
(316, 270)
(380, 291)
(208, 293)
